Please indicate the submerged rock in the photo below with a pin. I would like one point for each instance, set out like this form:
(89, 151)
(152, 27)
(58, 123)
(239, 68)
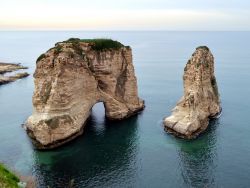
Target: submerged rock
(201, 97)
(70, 79)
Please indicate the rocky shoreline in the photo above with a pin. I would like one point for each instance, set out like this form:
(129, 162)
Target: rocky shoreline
(9, 68)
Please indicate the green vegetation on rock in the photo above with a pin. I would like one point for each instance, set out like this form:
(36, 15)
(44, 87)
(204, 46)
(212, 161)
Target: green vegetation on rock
(41, 57)
(96, 44)
(99, 44)
(7, 179)
(58, 49)
(203, 47)
(77, 48)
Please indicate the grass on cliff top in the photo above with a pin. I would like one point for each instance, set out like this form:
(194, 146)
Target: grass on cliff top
(7, 179)
(99, 44)
(96, 44)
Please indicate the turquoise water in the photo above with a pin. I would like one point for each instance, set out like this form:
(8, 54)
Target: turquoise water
(137, 152)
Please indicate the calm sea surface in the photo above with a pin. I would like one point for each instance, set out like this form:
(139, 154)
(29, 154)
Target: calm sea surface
(137, 152)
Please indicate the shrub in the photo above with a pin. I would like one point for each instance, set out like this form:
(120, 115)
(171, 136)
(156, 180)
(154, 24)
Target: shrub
(7, 179)
(203, 47)
(101, 44)
(73, 40)
(58, 49)
(41, 57)
(77, 48)
(98, 44)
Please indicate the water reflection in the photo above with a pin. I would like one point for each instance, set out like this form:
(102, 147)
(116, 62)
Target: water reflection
(104, 156)
(198, 159)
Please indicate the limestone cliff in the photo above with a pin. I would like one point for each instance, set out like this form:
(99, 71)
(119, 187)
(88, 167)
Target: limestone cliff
(201, 98)
(72, 77)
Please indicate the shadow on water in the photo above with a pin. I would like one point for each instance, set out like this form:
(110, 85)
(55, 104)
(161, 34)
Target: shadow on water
(198, 159)
(103, 156)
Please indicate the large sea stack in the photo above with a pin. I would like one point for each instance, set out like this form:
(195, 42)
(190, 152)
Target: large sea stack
(70, 79)
(201, 97)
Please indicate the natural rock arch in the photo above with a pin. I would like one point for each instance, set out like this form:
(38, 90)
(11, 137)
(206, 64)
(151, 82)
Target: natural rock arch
(70, 79)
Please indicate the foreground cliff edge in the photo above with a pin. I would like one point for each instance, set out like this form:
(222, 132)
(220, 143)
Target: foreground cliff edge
(201, 97)
(70, 79)
(10, 179)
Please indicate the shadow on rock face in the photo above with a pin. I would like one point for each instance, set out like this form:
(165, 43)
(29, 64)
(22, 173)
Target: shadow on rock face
(103, 156)
(72, 77)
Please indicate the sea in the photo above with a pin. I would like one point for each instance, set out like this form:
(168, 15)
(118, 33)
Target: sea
(136, 152)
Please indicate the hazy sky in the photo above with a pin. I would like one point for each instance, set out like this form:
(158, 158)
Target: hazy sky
(125, 14)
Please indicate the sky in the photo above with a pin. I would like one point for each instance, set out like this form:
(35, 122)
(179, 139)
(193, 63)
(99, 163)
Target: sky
(173, 15)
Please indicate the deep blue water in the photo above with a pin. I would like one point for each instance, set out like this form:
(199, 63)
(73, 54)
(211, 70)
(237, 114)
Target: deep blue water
(137, 152)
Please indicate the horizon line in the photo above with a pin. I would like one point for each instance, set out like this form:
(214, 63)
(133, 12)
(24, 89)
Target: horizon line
(114, 30)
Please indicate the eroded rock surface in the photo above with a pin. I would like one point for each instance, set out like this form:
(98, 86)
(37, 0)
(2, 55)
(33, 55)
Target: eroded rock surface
(72, 77)
(201, 98)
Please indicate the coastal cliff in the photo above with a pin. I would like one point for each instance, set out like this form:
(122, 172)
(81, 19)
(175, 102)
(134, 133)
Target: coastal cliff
(201, 97)
(70, 79)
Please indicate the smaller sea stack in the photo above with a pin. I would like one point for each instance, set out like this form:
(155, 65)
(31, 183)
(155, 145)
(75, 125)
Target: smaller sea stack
(201, 100)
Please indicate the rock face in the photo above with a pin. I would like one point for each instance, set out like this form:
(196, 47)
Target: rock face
(70, 79)
(201, 98)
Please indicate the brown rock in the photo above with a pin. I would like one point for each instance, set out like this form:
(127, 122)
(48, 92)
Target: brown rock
(201, 98)
(70, 79)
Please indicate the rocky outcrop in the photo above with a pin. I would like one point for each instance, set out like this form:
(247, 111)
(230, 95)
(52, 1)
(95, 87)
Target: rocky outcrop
(9, 68)
(72, 77)
(201, 98)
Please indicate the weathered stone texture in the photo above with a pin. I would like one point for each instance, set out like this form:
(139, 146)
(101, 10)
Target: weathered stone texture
(201, 98)
(69, 80)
